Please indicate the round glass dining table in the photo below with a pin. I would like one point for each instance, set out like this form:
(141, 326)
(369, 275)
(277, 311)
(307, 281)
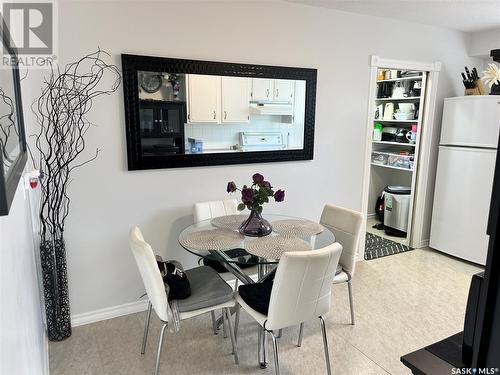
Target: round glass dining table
(250, 253)
(218, 239)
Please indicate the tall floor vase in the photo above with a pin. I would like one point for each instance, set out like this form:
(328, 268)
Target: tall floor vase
(55, 289)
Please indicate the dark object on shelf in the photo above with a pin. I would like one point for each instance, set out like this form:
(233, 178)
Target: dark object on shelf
(151, 82)
(401, 136)
(495, 89)
(137, 159)
(68, 93)
(410, 73)
(13, 150)
(379, 208)
(384, 90)
(495, 54)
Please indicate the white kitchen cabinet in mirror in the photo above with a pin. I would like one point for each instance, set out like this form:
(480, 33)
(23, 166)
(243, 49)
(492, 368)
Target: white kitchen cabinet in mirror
(262, 89)
(283, 90)
(235, 99)
(204, 98)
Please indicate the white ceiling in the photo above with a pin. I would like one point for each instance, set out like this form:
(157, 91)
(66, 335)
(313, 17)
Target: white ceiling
(463, 15)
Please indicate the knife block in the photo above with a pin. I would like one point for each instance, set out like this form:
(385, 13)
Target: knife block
(478, 90)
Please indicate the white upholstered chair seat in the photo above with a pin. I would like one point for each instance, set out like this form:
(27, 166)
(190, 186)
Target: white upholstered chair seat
(342, 277)
(301, 291)
(346, 226)
(208, 292)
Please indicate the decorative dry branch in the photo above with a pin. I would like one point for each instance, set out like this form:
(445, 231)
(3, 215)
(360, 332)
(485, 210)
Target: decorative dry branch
(61, 110)
(66, 99)
(7, 125)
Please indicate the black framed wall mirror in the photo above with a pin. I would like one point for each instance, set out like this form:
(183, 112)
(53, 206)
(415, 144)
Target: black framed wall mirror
(186, 113)
(13, 150)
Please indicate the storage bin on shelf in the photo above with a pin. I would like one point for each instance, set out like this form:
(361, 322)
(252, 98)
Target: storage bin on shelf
(379, 157)
(402, 160)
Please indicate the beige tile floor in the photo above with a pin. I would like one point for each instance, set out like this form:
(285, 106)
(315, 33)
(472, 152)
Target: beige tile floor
(402, 302)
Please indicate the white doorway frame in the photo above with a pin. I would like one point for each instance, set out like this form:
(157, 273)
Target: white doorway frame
(429, 140)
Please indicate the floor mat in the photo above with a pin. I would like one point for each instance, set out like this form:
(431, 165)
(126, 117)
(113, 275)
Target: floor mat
(377, 247)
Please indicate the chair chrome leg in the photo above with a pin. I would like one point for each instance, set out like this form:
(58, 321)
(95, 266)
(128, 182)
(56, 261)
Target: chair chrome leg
(231, 334)
(262, 348)
(160, 346)
(146, 328)
(276, 359)
(224, 330)
(236, 285)
(236, 321)
(351, 305)
(301, 329)
(214, 322)
(325, 343)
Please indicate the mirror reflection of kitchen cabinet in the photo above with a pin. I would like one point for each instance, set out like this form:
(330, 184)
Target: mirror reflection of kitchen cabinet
(262, 89)
(162, 127)
(235, 99)
(283, 90)
(203, 98)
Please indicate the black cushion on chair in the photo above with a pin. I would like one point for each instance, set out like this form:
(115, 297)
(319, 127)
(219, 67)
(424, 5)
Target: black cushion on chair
(257, 296)
(245, 260)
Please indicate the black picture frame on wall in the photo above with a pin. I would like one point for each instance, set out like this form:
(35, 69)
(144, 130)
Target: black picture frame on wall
(132, 64)
(9, 178)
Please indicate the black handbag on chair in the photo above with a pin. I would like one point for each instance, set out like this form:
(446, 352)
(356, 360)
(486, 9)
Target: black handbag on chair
(174, 276)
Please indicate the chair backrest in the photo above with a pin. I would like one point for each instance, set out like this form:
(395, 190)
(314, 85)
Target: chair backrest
(302, 286)
(209, 210)
(346, 226)
(148, 268)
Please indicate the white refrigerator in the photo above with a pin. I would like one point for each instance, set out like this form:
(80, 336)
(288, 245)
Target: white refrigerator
(464, 179)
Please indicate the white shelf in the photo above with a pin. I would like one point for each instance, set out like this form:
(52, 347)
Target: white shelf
(394, 143)
(409, 98)
(400, 121)
(391, 167)
(416, 78)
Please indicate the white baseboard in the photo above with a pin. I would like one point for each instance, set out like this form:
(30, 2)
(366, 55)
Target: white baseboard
(423, 243)
(108, 313)
(120, 310)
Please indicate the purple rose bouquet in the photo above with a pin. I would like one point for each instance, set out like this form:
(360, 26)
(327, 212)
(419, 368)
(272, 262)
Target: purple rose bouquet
(254, 196)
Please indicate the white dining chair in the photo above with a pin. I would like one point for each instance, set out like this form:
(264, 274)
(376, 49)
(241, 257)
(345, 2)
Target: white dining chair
(346, 226)
(208, 292)
(212, 209)
(301, 291)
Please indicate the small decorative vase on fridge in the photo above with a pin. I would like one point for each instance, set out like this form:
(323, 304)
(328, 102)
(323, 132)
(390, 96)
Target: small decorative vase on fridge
(492, 78)
(254, 197)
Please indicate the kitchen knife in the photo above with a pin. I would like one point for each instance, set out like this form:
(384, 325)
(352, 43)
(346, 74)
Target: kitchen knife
(467, 73)
(474, 71)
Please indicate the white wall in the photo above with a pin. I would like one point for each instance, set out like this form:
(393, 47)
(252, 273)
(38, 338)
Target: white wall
(482, 42)
(23, 341)
(107, 199)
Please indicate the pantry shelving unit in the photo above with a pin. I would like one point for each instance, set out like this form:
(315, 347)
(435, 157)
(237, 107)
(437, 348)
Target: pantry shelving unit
(415, 174)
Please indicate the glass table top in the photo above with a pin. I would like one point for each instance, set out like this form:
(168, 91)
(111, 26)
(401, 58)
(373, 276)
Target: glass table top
(236, 246)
